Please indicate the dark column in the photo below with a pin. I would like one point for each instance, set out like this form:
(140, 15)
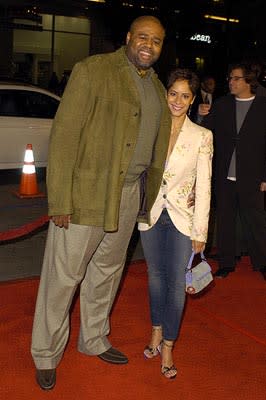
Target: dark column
(101, 40)
(6, 48)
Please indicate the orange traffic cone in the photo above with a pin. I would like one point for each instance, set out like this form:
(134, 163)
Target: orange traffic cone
(28, 184)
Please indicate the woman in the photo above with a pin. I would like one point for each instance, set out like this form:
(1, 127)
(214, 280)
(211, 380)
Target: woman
(176, 228)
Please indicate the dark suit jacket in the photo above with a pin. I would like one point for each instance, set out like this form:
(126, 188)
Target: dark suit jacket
(250, 143)
(261, 90)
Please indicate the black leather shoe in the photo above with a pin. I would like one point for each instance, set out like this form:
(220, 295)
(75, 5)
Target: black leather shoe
(222, 272)
(46, 378)
(113, 356)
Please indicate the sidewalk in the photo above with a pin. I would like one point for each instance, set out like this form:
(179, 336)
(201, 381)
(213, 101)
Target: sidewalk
(22, 257)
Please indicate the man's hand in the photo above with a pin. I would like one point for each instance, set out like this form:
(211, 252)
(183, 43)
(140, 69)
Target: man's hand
(263, 187)
(61, 221)
(204, 109)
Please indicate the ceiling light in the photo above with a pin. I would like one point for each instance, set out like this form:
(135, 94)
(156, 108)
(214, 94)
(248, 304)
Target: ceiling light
(218, 18)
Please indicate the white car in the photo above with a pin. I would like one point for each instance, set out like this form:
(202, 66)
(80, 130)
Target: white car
(26, 116)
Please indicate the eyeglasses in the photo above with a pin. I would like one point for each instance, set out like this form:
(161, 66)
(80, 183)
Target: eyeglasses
(234, 78)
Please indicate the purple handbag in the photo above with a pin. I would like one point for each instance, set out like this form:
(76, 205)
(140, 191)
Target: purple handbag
(198, 277)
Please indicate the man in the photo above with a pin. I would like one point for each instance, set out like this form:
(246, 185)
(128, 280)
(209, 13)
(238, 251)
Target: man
(203, 100)
(112, 125)
(239, 124)
(257, 68)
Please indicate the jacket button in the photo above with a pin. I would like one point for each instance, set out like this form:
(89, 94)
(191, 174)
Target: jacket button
(128, 144)
(136, 114)
(164, 196)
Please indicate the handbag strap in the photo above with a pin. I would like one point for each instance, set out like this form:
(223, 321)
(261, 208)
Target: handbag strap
(203, 258)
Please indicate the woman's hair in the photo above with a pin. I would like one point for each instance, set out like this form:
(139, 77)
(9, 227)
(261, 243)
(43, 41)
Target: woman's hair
(249, 74)
(184, 74)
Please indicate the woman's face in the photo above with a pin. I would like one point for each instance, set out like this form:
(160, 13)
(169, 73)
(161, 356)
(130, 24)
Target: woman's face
(179, 98)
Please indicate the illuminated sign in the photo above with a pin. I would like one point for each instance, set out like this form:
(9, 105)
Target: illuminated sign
(201, 38)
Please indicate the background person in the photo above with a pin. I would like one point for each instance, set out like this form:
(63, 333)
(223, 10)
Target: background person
(175, 228)
(53, 83)
(238, 121)
(204, 98)
(257, 68)
(112, 124)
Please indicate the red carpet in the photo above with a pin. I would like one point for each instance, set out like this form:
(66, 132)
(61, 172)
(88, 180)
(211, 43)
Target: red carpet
(220, 355)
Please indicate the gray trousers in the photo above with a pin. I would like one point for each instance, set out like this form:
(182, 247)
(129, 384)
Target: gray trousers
(88, 256)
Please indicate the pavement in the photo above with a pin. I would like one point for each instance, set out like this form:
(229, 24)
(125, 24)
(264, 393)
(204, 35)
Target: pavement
(21, 257)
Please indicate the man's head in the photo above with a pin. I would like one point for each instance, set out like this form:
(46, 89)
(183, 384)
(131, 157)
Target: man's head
(242, 80)
(144, 41)
(208, 84)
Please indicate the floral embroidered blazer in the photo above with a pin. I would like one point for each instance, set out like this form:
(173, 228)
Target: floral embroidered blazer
(189, 166)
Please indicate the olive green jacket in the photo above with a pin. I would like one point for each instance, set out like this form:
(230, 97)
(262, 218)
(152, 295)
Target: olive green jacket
(93, 138)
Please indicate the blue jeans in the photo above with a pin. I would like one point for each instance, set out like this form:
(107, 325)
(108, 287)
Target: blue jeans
(167, 252)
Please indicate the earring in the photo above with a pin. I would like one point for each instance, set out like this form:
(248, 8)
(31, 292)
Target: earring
(189, 110)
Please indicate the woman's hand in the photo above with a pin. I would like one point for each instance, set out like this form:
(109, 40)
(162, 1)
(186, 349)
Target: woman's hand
(191, 198)
(197, 247)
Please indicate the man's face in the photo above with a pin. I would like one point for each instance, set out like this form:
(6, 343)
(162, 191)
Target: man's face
(144, 43)
(209, 85)
(238, 85)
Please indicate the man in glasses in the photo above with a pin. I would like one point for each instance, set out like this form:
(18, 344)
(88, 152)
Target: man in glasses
(238, 121)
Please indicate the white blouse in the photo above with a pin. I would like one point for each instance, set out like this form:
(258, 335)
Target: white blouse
(189, 165)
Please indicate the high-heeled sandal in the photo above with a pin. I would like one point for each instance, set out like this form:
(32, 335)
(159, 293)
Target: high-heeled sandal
(168, 372)
(150, 352)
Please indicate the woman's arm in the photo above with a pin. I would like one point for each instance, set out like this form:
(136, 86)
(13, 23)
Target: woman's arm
(202, 191)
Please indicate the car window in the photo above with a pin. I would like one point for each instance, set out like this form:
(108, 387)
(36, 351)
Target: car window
(25, 103)
(8, 105)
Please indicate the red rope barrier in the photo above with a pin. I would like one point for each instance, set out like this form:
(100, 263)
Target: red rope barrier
(24, 229)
